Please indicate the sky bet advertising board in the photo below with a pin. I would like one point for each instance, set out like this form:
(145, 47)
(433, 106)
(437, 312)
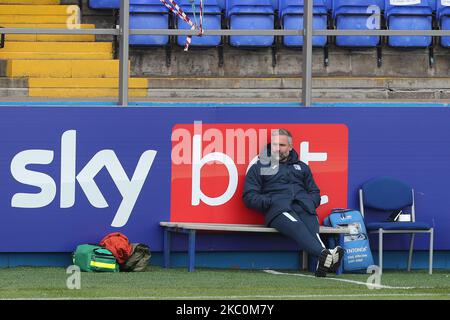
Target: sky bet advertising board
(72, 175)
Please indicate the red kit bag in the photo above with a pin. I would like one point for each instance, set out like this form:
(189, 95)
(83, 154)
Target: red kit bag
(119, 245)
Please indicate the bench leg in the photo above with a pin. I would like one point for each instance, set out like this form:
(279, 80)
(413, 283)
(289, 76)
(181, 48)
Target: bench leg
(166, 246)
(304, 260)
(340, 270)
(191, 250)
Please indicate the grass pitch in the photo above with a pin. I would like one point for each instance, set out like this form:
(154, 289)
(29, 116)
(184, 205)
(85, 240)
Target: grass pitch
(167, 284)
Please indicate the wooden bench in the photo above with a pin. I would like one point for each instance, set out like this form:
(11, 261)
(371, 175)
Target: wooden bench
(191, 228)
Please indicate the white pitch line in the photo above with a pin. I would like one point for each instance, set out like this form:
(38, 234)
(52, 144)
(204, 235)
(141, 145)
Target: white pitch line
(373, 286)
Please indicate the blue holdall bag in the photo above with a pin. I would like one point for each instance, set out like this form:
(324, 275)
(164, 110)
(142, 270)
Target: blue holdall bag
(357, 256)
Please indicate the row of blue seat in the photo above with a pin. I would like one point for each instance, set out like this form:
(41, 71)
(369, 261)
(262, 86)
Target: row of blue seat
(280, 4)
(261, 14)
(114, 4)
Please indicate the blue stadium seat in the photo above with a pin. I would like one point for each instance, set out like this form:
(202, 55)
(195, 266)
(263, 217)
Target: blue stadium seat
(222, 4)
(148, 14)
(115, 4)
(275, 4)
(104, 4)
(291, 18)
(212, 19)
(144, 14)
(443, 18)
(409, 17)
(357, 14)
(250, 15)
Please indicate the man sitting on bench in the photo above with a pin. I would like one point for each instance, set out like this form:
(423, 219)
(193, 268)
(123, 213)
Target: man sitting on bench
(282, 187)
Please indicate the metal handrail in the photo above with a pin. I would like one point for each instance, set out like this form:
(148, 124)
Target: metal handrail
(230, 32)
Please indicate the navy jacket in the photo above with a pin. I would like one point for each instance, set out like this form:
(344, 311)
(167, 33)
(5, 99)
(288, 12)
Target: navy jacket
(273, 190)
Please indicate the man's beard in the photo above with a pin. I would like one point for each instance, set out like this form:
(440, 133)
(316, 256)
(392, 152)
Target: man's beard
(280, 157)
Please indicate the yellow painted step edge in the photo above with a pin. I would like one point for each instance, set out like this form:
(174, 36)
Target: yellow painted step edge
(58, 47)
(134, 83)
(50, 37)
(107, 68)
(34, 19)
(30, 2)
(37, 10)
(56, 56)
(82, 93)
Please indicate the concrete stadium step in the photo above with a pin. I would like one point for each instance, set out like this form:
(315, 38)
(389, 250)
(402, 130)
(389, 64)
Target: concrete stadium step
(57, 50)
(32, 19)
(256, 90)
(63, 68)
(37, 14)
(259, 95)
(13, 87)
(134, 83)
(83, 92)
(48, 37)
(30, 2)
(84, 87)
(33, 10)
(340, 88)
(412, 83)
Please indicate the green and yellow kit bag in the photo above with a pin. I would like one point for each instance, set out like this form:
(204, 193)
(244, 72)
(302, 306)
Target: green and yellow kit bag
(92, 258)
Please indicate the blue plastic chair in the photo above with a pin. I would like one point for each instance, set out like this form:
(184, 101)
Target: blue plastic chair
(386, 194)
(291, 18)
(250, 15)
(222, 4)
(275, 4)
(212, 19)
(290, 15)
(409, 17)
(104, 4)
(115, 4)
(360, 15)
(148, 14)
(144, 14)
(443, 18)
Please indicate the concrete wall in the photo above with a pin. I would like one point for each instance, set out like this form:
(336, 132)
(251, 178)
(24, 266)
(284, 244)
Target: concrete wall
(258, 63)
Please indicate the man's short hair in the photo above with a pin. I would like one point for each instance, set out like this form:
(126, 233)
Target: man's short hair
(283, 132)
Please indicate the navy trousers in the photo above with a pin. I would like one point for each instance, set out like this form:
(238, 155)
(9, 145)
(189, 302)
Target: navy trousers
(302, 227)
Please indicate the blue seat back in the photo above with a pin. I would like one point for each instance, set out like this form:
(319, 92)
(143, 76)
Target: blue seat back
(148, 14)
(291, 17)
(442, 9)
(349, 6)
(146, 2)
(299, 4)
(209, 6)
(409, 17)
(222, 4)
(149, 21)
(274, 4)
(443, 18)
(252, 15)
(251, 3)
(104, 4)
(135, 5)
(211, 20)
(197, 3)
(357, 14)
(149, 6)
(386, 194)
(425, 6)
